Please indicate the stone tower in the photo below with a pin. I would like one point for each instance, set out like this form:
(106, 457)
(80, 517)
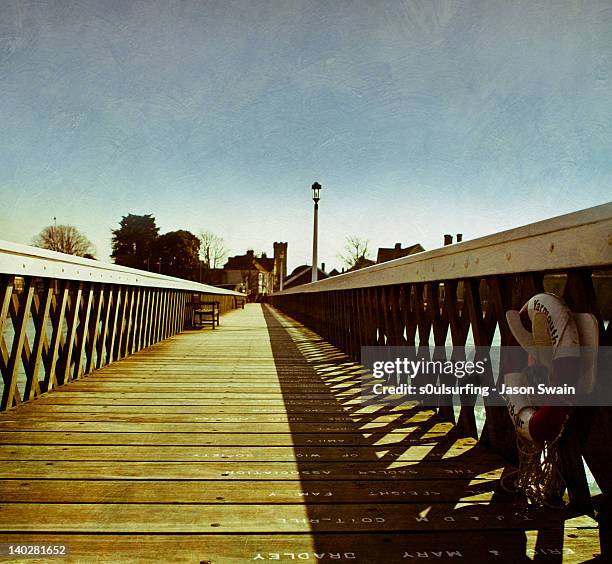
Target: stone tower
(280, 263)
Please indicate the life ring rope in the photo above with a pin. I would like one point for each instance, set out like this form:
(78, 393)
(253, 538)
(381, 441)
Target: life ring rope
(552, 335)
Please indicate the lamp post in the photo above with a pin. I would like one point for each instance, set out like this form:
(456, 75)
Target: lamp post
(280, 277)
(316, 189)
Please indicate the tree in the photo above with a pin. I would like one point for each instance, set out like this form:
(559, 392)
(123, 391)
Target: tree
(133, 241)
(177, 254)
(64, 239)
(356, 251)
(212, 249)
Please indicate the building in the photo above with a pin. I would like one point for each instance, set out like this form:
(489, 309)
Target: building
(303, 275)
(385, 254)
(360, 263)
(252, 274)
(256, 276)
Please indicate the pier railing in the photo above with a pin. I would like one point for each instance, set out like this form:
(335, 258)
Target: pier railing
(458, 295)
(63, 316)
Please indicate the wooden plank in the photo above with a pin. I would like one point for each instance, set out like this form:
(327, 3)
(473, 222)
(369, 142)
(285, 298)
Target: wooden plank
(126, 305)
(93, 331)
(132, 320)
(60, 305)
(159, 322)
(7, 284)
(577, 441)
(454, 456)
(80, 404)
(194, 438)
(259, 518)
(220, 413)
(180, 317)
(93, 398)
(139, 321)
(146, 337)
(409, 313)
(214, 377)
(167, 314)
(495, 433)
(102, 351)
(74, 304)
(111, 343)
(309, 389)
(15, 314)
(304, 470)
(136, 415)
(133, 344)
(571, 545)
(152, 317)
(41, 344)
(441, 327)
(395, 314)
(326, 428)
(82, 332)
(344, 395)
(172, 315)
(262, 492)
(191, 388)
(20, 313)
(138, 337)
(499, 301)
(159, 318)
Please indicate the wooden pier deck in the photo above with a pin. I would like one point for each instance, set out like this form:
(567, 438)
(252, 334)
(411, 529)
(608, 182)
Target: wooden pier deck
(250, 443)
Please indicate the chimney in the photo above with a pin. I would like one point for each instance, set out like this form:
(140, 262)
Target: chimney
(448, 240)
(459, 237)
(323, 266)
(398, 246)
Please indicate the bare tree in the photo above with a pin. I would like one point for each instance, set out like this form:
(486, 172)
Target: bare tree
(212, 249)
(356, 249)
(64, 239)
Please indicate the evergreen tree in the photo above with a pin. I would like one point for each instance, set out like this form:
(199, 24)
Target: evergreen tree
(177, 254)
(133, 241)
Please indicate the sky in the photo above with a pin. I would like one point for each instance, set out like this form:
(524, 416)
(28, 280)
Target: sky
(418, 118)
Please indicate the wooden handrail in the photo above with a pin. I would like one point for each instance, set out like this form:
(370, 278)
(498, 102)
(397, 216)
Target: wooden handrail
(429, 299)
(71, 315)
(23, 260)
(576, 240)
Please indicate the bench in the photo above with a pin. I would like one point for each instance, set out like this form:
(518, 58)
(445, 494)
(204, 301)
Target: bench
(205, 313)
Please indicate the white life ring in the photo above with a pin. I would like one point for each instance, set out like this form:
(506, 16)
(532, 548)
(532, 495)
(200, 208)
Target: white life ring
(552, 335)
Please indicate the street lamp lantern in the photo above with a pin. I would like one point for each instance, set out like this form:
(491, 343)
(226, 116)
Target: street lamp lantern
(316, 189)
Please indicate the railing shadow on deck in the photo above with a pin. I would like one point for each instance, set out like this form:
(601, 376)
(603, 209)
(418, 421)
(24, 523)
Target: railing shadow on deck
(437, 493)
(462, 292)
